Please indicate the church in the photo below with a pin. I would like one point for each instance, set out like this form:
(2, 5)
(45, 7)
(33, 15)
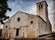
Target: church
(24, 25)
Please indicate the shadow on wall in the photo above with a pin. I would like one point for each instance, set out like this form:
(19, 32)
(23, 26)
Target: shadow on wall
(0, 32)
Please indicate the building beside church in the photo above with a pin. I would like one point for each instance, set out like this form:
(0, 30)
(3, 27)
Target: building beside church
(24, 25)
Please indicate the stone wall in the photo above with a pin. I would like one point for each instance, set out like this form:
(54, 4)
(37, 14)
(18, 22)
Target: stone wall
(30, 26)
(21, 24)
(42, 27)
(5, 30)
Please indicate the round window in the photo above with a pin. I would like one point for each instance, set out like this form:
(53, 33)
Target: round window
(31, 22)
(18, 19)
(6, 26)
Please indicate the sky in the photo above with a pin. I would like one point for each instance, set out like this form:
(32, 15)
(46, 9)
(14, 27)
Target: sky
(28, 6)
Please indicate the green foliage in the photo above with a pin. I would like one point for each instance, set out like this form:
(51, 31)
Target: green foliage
(3, 9)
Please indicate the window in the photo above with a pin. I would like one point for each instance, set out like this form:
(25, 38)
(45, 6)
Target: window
(14, 28)
(18, 19)
(31, 22)
(17, 32)
(9, 28)
(6, 26)
(41, 6)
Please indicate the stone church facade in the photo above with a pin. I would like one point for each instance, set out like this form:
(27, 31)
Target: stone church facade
(24, 25)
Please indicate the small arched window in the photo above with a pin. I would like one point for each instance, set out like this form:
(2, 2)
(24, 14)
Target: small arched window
(41, 6)
(6, 26)
(31, 22)
(9, 28)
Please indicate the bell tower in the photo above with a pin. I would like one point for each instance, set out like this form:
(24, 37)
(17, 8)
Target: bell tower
(42, 10)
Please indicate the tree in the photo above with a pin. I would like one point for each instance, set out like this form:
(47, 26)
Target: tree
(3, 9)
